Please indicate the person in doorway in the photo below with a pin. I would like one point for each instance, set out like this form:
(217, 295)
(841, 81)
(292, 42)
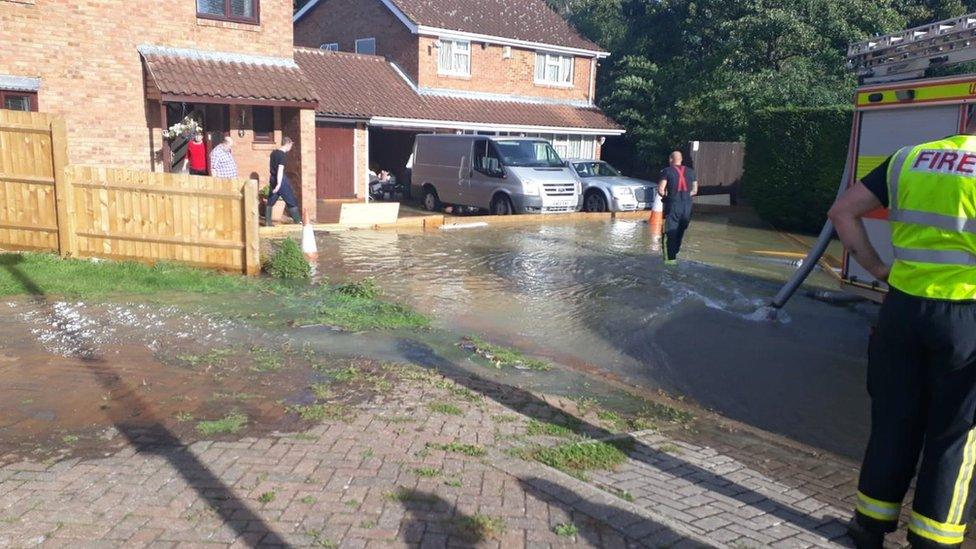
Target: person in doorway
(922, 356)
(678, 184)
(222, 163)
(280, 186)
(196, 155)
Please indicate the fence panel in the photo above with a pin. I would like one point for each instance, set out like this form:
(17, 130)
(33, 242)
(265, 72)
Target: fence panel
(28, 207)
(117, 213)
(128, 214)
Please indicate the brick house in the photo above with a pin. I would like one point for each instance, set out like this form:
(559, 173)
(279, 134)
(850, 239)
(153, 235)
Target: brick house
(386, 70)
(122, 72)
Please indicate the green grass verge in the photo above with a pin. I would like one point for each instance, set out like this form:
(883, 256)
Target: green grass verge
(47, 274)
(229, 424)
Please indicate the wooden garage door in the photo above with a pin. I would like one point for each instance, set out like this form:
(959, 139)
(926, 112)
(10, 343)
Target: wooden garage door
(335, 160)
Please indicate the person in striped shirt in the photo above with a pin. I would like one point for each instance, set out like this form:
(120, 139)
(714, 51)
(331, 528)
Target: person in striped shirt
(222, 163)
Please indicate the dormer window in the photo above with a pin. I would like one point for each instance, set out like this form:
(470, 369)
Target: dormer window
(553, 69)
(454, 58)
(238, 11)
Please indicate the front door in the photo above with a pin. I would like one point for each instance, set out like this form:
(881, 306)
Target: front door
(335, 161)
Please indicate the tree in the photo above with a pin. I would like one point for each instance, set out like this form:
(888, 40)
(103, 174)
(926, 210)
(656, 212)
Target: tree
(697, 69)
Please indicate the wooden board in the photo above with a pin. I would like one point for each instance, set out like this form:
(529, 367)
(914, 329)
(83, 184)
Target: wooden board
(375, 213)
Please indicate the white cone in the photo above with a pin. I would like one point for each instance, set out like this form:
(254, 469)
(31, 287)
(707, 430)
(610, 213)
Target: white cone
(309, 247)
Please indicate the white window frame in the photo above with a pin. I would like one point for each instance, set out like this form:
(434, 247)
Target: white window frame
(564, 70)
(330, 46)
(450, 48)
(363, 40)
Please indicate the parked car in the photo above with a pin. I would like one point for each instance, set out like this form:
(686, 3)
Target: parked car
(606, 189)
(505, 175)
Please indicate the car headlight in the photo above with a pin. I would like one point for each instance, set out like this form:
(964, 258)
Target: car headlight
(622, 192)
(531, 188)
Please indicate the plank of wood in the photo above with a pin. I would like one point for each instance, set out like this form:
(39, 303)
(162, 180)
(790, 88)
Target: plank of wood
(219, 244)
(161, 190)
(251, 237)
(63, 191)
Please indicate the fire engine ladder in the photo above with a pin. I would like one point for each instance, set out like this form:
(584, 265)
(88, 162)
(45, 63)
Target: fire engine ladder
(907, 54)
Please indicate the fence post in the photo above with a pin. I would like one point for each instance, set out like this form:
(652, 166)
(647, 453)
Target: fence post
(252, 242)
(63, 192)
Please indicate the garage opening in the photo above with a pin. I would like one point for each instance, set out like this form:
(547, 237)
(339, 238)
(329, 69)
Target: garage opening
(390, 150)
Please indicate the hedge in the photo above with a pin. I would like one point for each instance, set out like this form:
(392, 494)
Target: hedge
(794, 163)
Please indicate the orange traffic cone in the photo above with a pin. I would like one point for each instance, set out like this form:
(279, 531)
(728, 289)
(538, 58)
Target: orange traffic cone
(657, 219)
(309, 247)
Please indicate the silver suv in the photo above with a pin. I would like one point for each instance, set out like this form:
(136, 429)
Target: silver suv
(605, 189)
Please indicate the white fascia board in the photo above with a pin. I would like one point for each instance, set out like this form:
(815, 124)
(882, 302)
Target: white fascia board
(474, 37)
(305, 9)
(382, 121)
(401, 16)
(486, 96)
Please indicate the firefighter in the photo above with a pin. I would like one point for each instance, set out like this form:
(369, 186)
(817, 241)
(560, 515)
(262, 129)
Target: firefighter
(677, 185)
(922, 357)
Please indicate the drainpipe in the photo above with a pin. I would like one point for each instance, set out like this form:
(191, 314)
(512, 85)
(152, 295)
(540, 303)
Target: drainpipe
(592, 90)
(366, 137)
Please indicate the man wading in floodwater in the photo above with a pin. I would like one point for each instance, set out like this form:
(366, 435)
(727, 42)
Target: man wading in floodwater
(678, 184)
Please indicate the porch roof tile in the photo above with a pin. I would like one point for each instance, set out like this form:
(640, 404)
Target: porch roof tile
(224, 77)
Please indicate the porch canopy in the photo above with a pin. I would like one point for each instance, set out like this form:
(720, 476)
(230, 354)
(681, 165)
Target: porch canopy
(197, 76)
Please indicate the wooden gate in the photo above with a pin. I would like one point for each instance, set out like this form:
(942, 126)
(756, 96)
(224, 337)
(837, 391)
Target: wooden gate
(32, 159)
(335, 158)
(117, 213)
(718, 165)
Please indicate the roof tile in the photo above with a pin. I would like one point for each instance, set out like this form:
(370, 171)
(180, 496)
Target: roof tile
(364, 86)
(200, 76)
(527, 20)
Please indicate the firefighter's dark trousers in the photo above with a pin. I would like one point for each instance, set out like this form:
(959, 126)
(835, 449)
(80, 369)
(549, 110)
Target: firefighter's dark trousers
(677, 217)
(922, 382)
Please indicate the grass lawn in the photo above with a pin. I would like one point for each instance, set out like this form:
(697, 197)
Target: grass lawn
(40, 274)
(47, 274)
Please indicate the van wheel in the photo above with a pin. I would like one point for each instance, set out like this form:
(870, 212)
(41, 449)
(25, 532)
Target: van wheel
(595, 202)
(431, 202)
(502, 205)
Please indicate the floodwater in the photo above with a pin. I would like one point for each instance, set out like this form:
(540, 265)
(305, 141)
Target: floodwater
(593, 296)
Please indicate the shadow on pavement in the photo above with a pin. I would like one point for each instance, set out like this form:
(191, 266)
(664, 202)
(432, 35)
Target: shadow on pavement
(155, 439)
(526, 403)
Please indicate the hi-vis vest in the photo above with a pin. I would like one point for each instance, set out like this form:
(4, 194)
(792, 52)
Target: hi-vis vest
(932, 209)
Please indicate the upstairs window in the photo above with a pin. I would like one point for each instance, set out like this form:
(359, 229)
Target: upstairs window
(553, 70)
(18, 100)
(330, 46)
(366, 46)
(454, 58)
(240, 11)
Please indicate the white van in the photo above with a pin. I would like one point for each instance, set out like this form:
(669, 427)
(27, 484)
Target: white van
(505, 175)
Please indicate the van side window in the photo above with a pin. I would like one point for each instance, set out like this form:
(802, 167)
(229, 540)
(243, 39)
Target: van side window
(486, 159)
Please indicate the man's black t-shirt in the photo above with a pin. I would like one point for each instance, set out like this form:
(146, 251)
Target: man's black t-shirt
(278, 158)
(877, 182)
(671, 175)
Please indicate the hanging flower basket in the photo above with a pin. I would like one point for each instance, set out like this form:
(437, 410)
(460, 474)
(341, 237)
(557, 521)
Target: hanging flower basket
(185, 128)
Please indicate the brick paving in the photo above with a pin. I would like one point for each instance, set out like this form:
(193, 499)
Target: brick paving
(385, 479)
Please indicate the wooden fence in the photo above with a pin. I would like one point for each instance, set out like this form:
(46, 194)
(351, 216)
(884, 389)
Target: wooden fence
(117, 213)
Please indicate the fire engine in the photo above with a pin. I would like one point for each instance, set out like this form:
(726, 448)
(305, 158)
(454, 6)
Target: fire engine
(897, 105)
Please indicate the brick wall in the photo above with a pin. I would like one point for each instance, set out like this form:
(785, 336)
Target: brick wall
(344, 21)
(492, 73)
(85, 54)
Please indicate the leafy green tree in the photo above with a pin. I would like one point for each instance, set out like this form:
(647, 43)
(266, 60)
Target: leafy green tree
(698, 69)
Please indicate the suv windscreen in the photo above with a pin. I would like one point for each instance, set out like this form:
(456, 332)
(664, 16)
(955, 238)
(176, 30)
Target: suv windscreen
(528, 154)
(595, 169)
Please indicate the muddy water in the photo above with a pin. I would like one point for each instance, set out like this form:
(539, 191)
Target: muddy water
(595, 296)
